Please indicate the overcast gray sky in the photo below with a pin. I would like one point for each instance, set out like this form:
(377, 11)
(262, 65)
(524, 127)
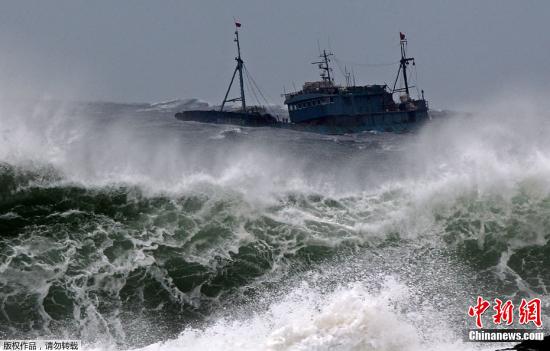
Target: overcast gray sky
(132, 50)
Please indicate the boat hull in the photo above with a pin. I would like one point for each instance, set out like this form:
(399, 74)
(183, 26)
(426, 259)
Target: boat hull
(395, 121)
(227, 117)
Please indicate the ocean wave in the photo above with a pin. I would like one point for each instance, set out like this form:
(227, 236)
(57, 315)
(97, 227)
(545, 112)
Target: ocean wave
(128, 230)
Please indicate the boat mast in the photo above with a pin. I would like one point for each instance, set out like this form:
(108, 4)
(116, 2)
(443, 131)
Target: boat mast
(324, 66)
(403, 63)
(238, 68)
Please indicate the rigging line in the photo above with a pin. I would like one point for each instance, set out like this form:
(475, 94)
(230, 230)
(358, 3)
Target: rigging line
(247, 86)
(250, 86)
(416, 80)
(341, 70)
(255, 89)
(268, 106)
(344, 72)
(351, 63)
(256, 85)
(396, 79)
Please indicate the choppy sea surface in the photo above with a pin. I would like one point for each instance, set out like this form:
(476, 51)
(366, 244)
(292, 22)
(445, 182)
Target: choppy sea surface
(126, 228)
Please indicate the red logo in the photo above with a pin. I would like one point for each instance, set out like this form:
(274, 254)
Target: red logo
(503, 312)
(478, 310)
(529, 311)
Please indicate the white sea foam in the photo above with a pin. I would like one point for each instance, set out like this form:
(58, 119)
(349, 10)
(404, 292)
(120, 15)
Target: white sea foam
(349, 318)
(487, 155)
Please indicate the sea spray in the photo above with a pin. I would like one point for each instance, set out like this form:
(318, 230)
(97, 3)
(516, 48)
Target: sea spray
(125, 228)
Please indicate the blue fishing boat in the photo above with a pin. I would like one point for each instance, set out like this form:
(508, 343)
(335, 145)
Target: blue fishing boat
(326, 107)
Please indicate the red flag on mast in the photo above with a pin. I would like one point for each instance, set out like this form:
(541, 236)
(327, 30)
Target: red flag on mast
(402, 35)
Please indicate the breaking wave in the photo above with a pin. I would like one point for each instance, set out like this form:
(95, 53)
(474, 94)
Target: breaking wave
(126, 228)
